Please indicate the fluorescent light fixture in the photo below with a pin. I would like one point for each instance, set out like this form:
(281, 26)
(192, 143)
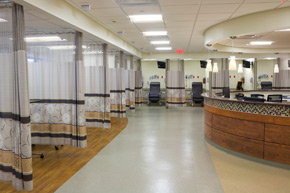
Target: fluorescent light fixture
(145, 18)
(269, 58)
(149, 60)
(240, 68)
(163, 48)
(261, 43)
(215, 67)
(155, 33)
(282, 30)
(159, 42)
(3, 20)
(66, 47)
(233, 64)
(92, 52)
(208, 66)
(44, 39)
(187, 59)
(276, 69)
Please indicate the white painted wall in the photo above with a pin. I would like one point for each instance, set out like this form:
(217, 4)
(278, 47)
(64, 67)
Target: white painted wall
(265, 67)
(193, 68)
(149, 68)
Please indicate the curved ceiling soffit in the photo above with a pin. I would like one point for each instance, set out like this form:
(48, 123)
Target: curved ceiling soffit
(247, 25)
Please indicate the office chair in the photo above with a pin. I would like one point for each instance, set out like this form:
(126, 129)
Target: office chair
(275, 98)
(196, 93)
(226, 92)
(266, 85)
(154, 94)
(260, 96)
(239, 96)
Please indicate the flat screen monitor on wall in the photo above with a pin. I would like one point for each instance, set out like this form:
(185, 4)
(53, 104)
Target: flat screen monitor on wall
(203, 64)
(161, 64)
(246, 64)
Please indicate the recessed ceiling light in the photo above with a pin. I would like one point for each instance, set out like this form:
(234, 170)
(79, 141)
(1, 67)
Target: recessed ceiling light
(155, 33)
(282, 30)
(3, 20)
(44, 39)
(163, 48)
(145, 18)
(159, 42)
(261, 43)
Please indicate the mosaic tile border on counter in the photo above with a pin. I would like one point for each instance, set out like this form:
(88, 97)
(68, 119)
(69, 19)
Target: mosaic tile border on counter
(256, 108)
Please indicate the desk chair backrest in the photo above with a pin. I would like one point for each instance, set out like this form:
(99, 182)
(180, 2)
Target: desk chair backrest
(196, 89)
(226, 92)
(266, 85)
(275, 98)
(154, 88)
(261, 96)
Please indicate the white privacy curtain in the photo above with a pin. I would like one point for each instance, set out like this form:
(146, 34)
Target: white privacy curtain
(117, 84)
(175, 85)
(56, 83)
(130, 84)
(15, 135)
(97, 87)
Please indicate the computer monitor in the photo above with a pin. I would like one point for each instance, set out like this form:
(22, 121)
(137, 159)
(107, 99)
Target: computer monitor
(203, 64)
(246, 64)
(161, 64)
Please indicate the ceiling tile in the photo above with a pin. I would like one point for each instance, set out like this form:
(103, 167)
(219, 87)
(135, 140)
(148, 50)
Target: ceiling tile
(236, 14)
(256, 7)
(205, 23)
(262, 1)
(188, 9)
(221, 1)
(182, 29)
(142, 10)
(151, 26)
(179, 17)
(286, 4)
(217, 16)
(218, 8)
(179, 24)
(178, 2)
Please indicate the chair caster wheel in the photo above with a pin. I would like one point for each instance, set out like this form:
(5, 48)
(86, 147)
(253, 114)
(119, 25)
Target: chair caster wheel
(42, 156)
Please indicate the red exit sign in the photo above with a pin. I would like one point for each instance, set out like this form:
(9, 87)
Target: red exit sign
(283, 1)
(180, 51)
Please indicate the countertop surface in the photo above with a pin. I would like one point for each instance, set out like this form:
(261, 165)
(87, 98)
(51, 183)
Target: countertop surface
(248, 94)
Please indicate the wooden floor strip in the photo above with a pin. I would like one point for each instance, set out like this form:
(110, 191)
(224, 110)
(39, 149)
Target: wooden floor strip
(58, 166)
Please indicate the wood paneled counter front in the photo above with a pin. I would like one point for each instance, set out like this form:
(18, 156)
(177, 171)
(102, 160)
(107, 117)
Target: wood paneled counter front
(257, 129)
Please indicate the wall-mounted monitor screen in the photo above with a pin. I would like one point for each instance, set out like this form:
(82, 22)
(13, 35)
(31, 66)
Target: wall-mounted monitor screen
(203, 64)
(161, 64)
(246, 64)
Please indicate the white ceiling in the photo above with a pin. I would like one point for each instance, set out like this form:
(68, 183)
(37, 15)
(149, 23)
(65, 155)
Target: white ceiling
(281, 39)
(185, 20)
